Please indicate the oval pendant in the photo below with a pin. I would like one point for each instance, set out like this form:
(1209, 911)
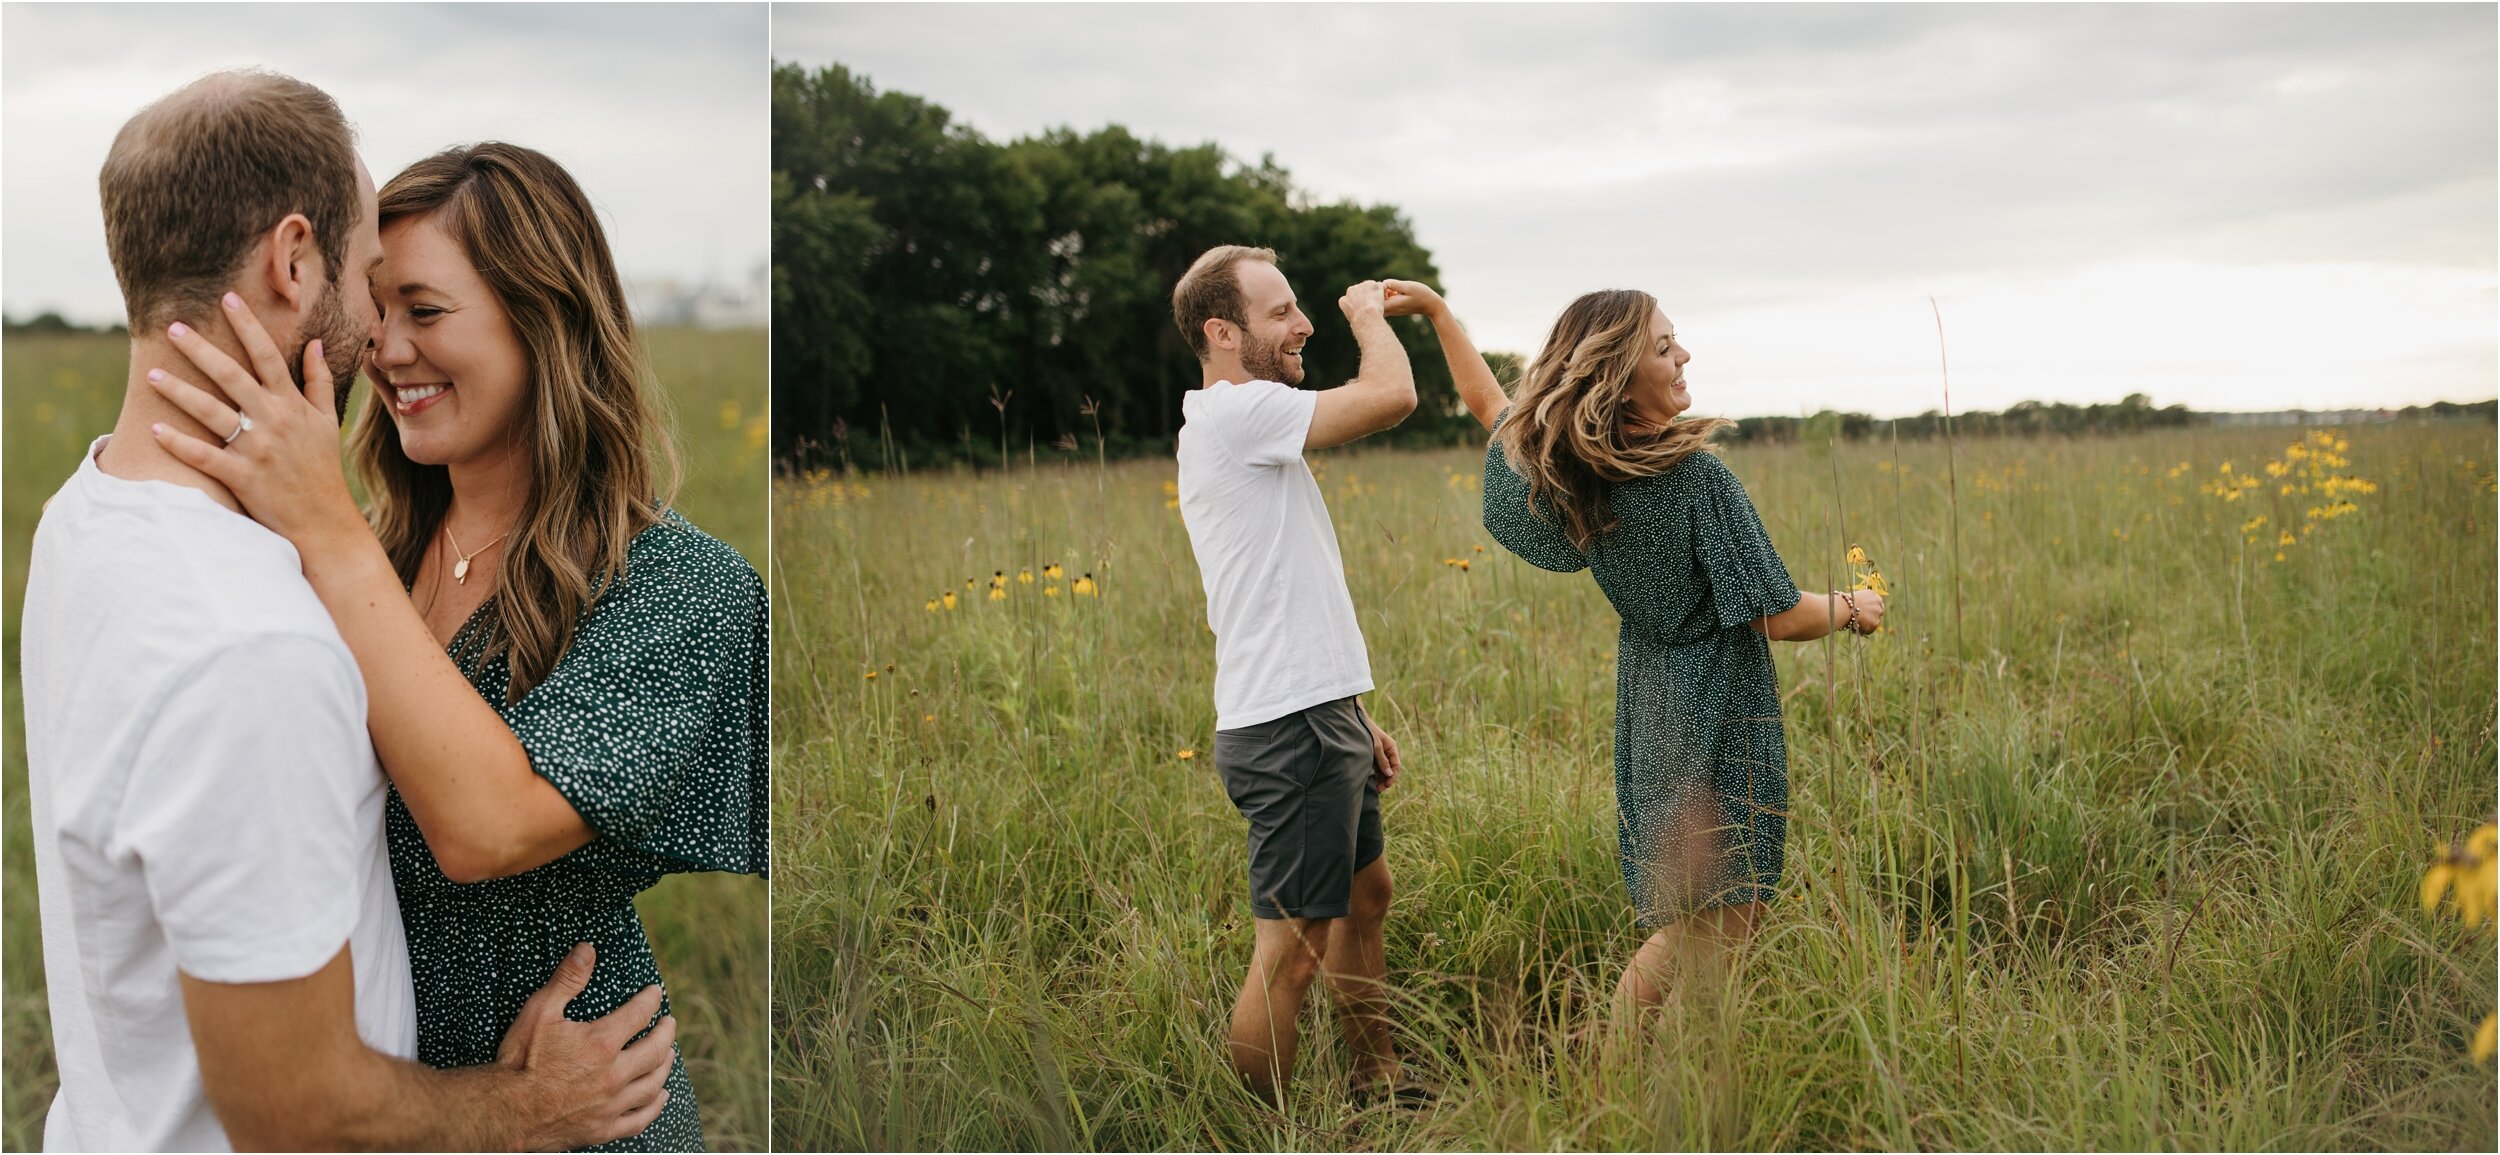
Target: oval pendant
(460, 572)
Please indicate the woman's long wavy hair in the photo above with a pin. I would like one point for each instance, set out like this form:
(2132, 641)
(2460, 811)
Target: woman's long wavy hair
(596, 438)
(1567, 434)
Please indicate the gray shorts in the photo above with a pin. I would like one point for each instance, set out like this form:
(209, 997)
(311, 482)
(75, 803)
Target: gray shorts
(1305, 783)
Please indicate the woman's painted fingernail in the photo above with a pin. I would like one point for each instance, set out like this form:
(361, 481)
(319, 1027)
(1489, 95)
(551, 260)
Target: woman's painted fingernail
(158, 429)
(233, 302)
(156, 375)
(178, 329)
(314, 348)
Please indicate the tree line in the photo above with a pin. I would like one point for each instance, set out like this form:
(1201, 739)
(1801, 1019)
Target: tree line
(937, 294)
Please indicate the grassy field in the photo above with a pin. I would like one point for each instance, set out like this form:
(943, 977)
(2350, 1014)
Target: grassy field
(2110, 841)
(709, 930)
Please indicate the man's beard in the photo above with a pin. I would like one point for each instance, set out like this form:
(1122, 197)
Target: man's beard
(341, 346)
(1267, 362)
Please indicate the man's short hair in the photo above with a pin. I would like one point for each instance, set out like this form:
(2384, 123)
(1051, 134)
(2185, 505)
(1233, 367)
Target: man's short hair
(1212, 288)
(196, 178)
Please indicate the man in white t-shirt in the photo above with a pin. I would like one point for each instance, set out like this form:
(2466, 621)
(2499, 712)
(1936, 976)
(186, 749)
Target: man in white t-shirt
(222, 944)
(1299, 757)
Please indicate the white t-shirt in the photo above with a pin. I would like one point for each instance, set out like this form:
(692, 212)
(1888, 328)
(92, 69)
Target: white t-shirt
(1285, 634)
(205, 796)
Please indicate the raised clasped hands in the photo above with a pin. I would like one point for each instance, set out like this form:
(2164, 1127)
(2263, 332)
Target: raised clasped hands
(1411, 299)
(285, 468)
(1363, 300)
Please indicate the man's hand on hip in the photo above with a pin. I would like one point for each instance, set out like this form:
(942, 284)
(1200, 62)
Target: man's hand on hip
(581, 1082)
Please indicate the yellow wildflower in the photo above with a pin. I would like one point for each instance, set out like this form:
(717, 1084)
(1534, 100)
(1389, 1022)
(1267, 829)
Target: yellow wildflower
(1084, 586)
(1024, 577)
(1051, 571)
(1186, 754)
(998, 593)
(947, 599)
(1050, 591)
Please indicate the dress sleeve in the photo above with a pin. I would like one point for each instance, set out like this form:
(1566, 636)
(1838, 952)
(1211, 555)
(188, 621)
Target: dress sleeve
(653, 725)
(1511, 520)
(1746, 577)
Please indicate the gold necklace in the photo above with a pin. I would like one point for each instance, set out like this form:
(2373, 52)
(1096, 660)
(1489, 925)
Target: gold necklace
(460, 572)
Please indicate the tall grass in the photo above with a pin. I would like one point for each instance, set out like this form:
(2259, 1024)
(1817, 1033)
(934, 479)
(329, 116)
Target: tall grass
(709, 931)
(2136, 872)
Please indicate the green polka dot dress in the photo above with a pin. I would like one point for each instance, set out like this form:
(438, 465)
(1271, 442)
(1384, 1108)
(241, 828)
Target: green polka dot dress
(653, 726)
(1701, 767)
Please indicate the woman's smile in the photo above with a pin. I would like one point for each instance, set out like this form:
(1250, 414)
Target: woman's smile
(410, 400)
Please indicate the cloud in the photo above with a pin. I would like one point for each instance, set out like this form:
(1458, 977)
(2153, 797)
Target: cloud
(1794, 157)
(660, 111)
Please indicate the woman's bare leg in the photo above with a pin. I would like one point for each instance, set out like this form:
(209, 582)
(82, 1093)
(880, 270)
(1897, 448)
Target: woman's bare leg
(1693, 946)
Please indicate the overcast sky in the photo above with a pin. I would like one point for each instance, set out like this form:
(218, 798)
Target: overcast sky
(661, 112)
(2235, 207)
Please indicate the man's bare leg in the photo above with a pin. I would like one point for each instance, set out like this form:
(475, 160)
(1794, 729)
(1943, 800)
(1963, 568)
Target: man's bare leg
(1265, 1031)
(1357, 975)
(1693, 946)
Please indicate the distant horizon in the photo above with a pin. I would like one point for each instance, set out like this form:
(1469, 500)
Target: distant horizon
(15, 323)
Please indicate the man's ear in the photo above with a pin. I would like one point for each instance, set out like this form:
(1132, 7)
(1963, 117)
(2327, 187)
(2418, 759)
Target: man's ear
(1220, 333)
(292, 262)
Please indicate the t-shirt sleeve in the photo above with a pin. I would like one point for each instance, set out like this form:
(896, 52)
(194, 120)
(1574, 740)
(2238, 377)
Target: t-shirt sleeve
(653, 723)
(1746, 577)
(1265, 423)
(243, 809)
(1512, 520)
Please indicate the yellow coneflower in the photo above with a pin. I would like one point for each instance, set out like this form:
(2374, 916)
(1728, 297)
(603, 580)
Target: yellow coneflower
(1024, 577)
(1084, 586)
(1185, 754)
(998, 580)
(998, 593)
(2466, 875)
(947, 599)
(1050, 591)
(1462, 565)
(872, 675)
(967, 585)
(1479, 549)
(1052, 571)
(1872, 579)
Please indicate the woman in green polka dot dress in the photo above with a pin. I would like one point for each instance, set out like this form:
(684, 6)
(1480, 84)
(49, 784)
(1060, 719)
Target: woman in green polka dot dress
(565, 679)
(1590, 469)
